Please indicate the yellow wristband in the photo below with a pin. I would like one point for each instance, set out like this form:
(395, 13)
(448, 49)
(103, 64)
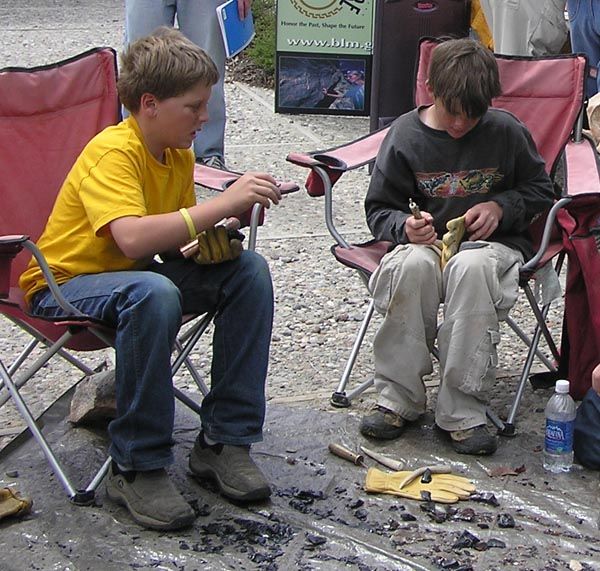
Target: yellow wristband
(188, 222)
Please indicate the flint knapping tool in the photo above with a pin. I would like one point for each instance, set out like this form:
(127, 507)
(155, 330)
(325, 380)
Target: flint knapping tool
(415, 210)
(343, 452)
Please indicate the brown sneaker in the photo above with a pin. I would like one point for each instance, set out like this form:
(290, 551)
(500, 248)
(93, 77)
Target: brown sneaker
(477, 441)
(232, 468)
(382, 423)
(150, 497)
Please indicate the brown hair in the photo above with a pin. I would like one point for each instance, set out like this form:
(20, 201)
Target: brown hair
(463, 75)
(165, 64)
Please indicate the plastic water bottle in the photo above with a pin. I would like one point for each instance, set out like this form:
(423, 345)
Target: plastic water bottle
(560, 420)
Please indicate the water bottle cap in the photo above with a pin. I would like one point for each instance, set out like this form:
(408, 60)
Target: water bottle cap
(562, 386)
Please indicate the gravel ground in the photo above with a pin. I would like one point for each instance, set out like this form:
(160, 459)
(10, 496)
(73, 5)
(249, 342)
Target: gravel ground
(319, 303)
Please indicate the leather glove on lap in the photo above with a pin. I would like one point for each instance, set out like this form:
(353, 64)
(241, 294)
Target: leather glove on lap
(218, 244)
(443, 488)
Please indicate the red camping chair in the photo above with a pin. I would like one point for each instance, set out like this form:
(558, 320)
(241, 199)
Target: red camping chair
(49, 113)
(547, 95)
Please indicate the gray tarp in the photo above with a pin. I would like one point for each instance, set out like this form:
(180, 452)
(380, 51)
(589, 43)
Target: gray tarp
(319, 516)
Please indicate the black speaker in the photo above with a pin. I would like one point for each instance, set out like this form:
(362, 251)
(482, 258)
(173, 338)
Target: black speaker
(399, 25)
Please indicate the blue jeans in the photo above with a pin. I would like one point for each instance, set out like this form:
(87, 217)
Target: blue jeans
(584, 22)
(197, 20)
(145, 307)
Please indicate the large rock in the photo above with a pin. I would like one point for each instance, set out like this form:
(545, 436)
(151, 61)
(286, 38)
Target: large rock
(94, 400)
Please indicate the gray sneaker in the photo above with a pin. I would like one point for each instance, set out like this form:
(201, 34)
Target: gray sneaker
(213, 161)
(150, 497)
(234, 471)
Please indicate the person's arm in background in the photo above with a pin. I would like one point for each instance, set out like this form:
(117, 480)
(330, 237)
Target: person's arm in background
(596, 379)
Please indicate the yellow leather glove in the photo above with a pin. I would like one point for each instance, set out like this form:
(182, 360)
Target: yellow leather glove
(217, 244)
(443, 488)
(11, 503)
(451, 240)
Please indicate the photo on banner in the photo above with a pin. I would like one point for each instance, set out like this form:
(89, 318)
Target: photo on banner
(324, 56)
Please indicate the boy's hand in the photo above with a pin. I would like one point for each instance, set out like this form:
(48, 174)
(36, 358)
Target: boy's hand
(596, 379)
(483, 219)
(420, 230)
(252, 188)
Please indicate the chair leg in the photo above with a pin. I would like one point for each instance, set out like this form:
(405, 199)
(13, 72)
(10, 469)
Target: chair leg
(190, 403)
(339, 398)
(78, 497)
(495, 420)
(184, 346)
(523, 337)
(38, 364)
(509, 426)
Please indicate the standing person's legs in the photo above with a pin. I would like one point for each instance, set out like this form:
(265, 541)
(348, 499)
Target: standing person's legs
(197, 19)
(584, 23)
(481, 285)
(142, 17)
(145, 310)
(509, 23)
(407, 289)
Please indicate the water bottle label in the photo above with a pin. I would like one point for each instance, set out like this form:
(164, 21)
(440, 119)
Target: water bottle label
(559, 436)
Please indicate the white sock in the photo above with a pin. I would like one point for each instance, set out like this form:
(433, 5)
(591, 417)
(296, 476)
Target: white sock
(209, 441)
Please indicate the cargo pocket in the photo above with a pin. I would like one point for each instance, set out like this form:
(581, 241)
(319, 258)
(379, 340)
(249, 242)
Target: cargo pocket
(383, 280)
(481, 373)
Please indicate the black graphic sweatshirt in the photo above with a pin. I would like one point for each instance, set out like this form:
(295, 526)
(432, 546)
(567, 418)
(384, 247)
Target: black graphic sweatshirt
(497, 160)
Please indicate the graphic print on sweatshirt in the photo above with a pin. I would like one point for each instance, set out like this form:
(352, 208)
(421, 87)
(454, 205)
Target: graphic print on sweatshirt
(461, 183)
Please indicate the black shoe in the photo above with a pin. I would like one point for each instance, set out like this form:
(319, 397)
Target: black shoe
(382, 423)
(234, 471)
(477, 441)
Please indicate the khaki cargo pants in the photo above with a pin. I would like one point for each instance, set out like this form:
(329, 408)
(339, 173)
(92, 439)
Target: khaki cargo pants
(478, 287)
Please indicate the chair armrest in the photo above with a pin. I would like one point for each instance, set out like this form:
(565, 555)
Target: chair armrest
(544, 246)
(69, 309)
(327, 166)
(10, 246)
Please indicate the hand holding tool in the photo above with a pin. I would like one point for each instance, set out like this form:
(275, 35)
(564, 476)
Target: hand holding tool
(415, 210)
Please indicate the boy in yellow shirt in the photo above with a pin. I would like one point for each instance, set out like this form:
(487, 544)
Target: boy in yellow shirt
(129, 196)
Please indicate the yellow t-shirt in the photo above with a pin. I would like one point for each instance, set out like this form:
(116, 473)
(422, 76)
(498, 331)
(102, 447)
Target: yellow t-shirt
(114, 176)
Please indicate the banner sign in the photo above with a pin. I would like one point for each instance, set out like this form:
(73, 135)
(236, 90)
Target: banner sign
(324, 53)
